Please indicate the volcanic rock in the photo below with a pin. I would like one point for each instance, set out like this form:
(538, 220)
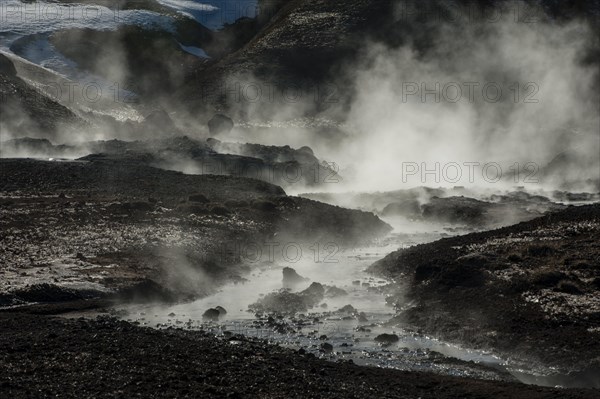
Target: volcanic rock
(285, 302)
(456, 210)
(334, 292)
(160, 121)
(313, 294)
(220, 124)
(327, 347)
(211, 314)
(282, 302)
(222, 311)
(387, 338)
(291, 278)
(347, 309)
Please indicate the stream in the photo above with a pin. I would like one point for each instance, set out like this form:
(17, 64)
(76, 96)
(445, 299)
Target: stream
(351, 338)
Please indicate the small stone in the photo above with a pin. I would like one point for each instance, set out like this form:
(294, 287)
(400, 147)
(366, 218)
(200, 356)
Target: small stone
(211, 314)
(387, 338)
(326, 347)
(220, 124)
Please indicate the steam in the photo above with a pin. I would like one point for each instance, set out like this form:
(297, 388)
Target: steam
(498, 102)
(557, 114)
(512, 94)
(182, 274)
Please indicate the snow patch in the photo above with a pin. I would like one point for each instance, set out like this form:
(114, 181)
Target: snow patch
(197, 51)
(213, 13)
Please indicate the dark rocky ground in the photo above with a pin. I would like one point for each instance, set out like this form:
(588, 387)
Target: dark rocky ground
(46, 357)
(88, 229)
(281, 165)
(458, 205)
(529, 291)
(114, 227)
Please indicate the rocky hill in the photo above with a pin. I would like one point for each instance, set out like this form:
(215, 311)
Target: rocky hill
(529, 291)
(281, 165)
(27, 109)
(97, 228)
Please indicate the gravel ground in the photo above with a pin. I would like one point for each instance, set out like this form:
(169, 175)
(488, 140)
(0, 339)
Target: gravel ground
(89, 229)
(46, 357)
(528, 291)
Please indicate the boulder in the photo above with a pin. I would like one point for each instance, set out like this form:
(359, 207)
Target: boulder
(291, 279)
(387, 338)
(285, 302)
(326, 347)
(219, 124)
(362, 318)
(306, 150)
(347, 309)
(459, 210)
(281, 302)
(211, 314)
(334, 292)
(222, 311)
(160, 121)
(313, 295)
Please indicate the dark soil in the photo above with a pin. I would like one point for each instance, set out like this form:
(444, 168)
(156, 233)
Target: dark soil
(45, 357)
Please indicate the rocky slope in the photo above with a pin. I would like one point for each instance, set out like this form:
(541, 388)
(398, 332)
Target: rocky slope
(300, 48)
(528, 291)
(86, 229)
(26, 110)
(281, 165)
(313, 46)
(458, 206)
